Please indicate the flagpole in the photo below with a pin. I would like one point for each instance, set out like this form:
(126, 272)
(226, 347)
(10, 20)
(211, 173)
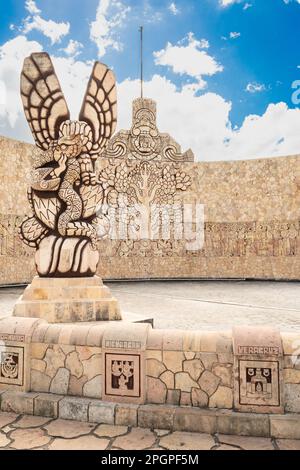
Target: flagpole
(142, 64)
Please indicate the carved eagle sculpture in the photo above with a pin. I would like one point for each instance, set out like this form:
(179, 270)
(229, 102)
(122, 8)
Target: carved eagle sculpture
(64, 193)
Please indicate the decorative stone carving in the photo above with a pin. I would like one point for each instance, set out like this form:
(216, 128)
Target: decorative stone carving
(64, 192)
(11, 365)
(122, 374)
(123, 349)
(258, 385)
(143, 141)
(157, 188)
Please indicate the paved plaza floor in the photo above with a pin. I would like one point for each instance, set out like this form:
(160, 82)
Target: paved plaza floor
(200, 304)
(33, 432)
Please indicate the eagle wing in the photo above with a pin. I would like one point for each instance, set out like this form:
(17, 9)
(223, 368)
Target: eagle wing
(44, 103)
(99, 108)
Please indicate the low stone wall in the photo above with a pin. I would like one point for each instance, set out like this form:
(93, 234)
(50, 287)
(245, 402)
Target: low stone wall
(249, 371)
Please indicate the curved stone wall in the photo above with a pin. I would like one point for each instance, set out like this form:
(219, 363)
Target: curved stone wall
(251, 217)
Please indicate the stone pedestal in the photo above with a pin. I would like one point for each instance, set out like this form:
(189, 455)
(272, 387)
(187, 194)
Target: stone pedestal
(66, 300)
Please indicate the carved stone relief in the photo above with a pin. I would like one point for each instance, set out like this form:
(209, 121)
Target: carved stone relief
(258, 356)
(64, 189)
(129, 186)
(11, 365)
(143, 141)
(123, 375)
(259, 383)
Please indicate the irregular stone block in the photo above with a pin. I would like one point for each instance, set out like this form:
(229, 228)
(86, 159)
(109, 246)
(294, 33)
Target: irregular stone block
(243, 424)
(173, 397)
(26, 439)
(285, 427)
(184, 382)
(187, 441)
(194, 367)
(195, 420)
(47, 405)
(209, 382)
(154, 368)
(292, 397)
(93, 366)
(74, 364)
(38, 365)
(16, 402)
(185, 399)
(126, 415)
(189, 355)
(207, 359)
(156, 391)
(222, 398)
(55, 359)
(76, 385)
(199, 398)
(225, 372)
(291, 376)
(93, 388)
(40, 382)
(68, 429)
(168, 379)
(60, 382)
(137, 439)
(74, 409)
(38, 350)
(173, 360)
(102, 412)
(156, 417)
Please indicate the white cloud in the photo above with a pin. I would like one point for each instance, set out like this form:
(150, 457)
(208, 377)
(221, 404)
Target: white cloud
(234, 35)
(110, 16)
(272, 134)
(51, 29)
(73, 76)
(201, 122)
(226, 3)
(188, 57)
(73, 48)
(255, 87)
(174, 9)
(31, 6)
(12, 54)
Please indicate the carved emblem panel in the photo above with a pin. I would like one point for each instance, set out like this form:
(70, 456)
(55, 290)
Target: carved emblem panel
(259, 383)
(258, 363)
(123, 375)
(11, 365)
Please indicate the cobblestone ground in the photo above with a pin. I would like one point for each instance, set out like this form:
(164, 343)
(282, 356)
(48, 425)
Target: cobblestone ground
(36, 433)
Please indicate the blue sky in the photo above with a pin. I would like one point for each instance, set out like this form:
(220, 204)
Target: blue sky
(220, 70)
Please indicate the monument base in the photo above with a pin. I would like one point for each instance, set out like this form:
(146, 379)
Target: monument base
(66, 300)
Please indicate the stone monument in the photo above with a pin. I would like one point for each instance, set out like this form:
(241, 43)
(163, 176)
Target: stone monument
(65, 196)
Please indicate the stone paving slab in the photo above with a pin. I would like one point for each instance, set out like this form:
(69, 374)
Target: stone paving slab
(21, 432)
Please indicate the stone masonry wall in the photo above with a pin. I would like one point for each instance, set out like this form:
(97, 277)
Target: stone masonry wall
(132, 363)
(252, 227)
